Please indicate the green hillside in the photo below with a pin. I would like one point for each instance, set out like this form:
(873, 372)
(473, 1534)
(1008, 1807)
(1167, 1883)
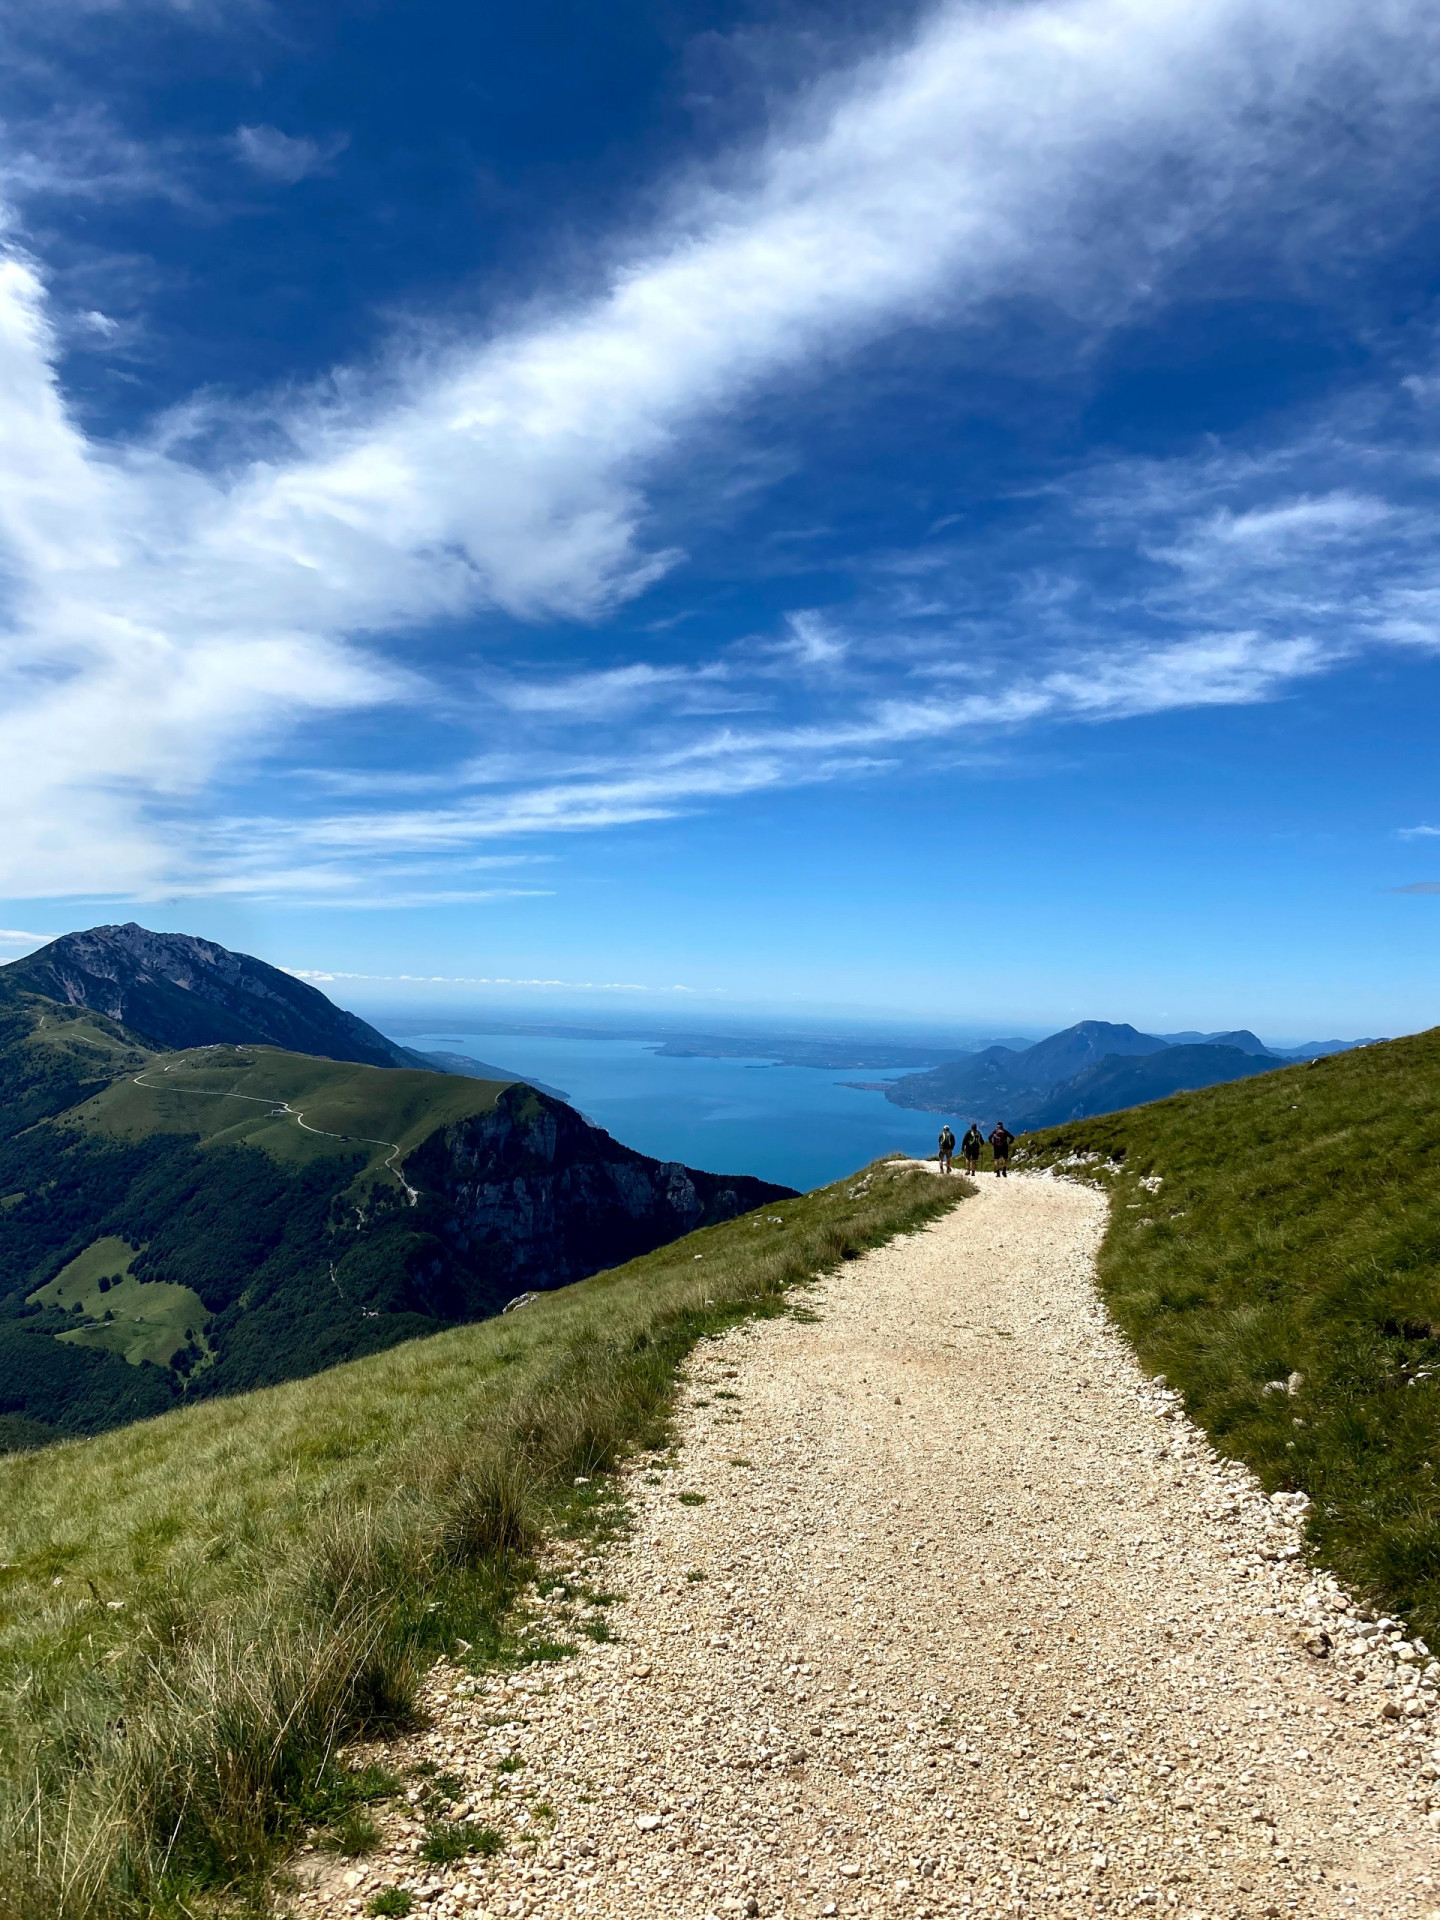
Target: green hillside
(140, 1320)
(182, 1224)
(207, 1221)
(53, 1056)
(297, 1108)
(1289, 1226)
(193, 1612)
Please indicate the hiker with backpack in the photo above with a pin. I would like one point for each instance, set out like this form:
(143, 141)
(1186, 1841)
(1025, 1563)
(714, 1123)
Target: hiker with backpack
(947, 1147)
(970, 1146)
(1001, 1141)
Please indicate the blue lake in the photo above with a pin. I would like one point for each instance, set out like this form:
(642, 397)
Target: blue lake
(797, 1125)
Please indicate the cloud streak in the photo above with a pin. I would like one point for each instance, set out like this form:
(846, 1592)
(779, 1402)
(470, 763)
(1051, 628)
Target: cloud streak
(168, 619)
(286, 158)
(321, 977)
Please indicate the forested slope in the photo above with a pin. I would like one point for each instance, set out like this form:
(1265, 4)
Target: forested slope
(271, 1214)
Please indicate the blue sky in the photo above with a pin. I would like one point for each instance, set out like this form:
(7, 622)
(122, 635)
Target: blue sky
(922, 510)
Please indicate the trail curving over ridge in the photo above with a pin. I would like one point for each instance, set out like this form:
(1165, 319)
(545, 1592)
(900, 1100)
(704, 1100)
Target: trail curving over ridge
(277, 1106)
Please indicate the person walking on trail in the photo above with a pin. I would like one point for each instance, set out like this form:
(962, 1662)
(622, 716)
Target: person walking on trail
(970, 1146)
(1001, 1141)
(947, 1147)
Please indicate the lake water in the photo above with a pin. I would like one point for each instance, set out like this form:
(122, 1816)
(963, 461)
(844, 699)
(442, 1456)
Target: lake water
(796, 1125)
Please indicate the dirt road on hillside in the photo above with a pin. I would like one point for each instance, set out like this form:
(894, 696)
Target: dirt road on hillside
(940, 1607)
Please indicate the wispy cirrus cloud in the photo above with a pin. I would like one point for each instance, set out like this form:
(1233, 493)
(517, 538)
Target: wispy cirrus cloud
(1187, 617)
(286, 158)
(79, 153)
(608, 692)
(321, 977)
(169, 616)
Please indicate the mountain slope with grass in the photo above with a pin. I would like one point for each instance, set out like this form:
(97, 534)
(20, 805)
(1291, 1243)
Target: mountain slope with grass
(180, 1224)
(1274, 1250)
(174, 990)
(200, 1610)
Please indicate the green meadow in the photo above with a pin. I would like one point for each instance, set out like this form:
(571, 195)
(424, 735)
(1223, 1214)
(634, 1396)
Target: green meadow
(298, 1107)
(138, 1319)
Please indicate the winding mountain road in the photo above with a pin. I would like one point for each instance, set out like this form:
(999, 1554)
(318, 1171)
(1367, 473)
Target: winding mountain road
(277, 1106)
(939, 1607)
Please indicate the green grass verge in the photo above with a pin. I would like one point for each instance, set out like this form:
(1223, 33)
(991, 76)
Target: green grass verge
(195, 1612)
(1296, 1231)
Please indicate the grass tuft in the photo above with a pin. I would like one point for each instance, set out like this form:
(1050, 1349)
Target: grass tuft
(449, 1841)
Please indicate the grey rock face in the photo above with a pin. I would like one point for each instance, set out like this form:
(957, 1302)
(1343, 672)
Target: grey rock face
(534, 1197)
(176, 990)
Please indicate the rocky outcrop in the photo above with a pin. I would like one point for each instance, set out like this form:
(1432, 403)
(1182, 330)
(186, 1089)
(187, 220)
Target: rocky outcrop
(529, 1195)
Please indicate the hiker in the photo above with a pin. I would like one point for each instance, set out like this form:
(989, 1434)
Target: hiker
(947, 1147)
(1000, 1142)
(970, 1146)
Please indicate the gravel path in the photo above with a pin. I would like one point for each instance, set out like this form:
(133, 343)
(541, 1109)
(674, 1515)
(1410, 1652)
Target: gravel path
(939, 1606)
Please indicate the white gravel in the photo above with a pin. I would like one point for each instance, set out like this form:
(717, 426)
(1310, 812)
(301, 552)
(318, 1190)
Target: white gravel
(969, 1619)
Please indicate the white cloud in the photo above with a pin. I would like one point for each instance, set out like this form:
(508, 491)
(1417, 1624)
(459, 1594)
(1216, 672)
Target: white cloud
(1274, 534)
(602, 695)
(657, 780)
(815, 641)
(321, 976)
(166, 621)
(78, 153)
(286, 158)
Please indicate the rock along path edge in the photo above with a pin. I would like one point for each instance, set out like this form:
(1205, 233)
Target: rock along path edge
(938, 1606)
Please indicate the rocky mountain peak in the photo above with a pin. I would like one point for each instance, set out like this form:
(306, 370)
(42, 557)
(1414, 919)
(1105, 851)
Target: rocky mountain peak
(177, 990)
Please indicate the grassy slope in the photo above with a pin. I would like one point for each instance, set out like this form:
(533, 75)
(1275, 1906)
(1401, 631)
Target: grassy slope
(236, 1096)
(53, 1056)
(1297, 1230)
(138, 1319)
(286, 1561)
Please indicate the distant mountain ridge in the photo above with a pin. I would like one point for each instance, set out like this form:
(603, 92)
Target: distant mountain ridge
(1091, 1068)
(1241, 1037)
(176, 990)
